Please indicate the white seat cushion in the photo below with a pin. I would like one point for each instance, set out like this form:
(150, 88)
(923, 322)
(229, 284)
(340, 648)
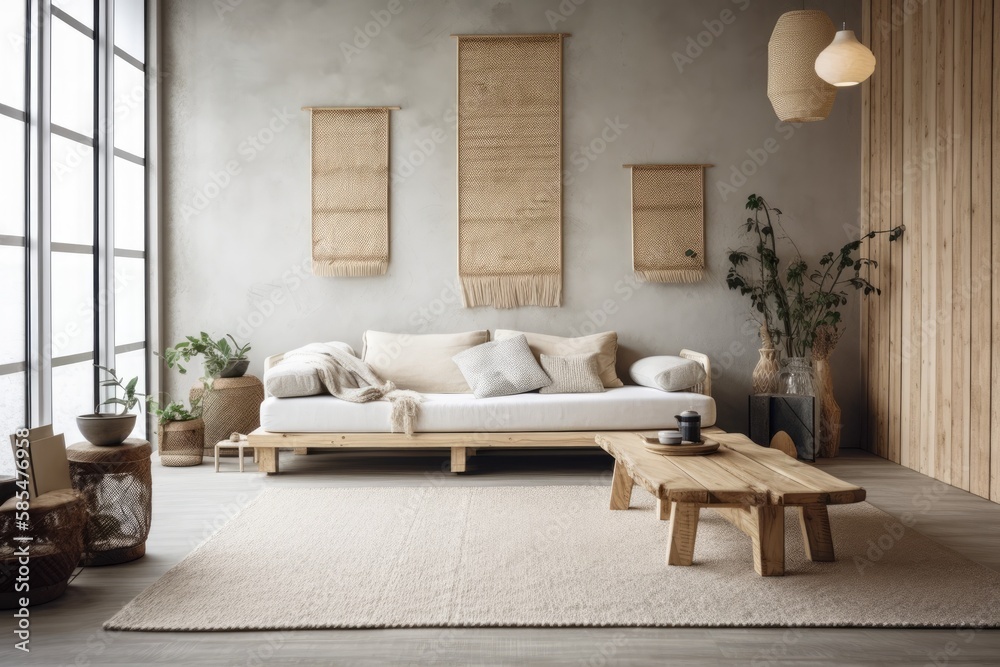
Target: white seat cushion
(620, 409)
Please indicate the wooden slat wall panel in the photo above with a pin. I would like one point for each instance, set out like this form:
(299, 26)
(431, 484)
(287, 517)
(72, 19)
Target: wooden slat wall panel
(866, 96)
(895, 250)
(995, 398)
(931, 137)
(961, 276)
(981, 267)
(928, 242)
(912, 210)
(943, 228)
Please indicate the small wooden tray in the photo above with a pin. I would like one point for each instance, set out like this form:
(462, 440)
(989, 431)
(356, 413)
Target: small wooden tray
(706, 446)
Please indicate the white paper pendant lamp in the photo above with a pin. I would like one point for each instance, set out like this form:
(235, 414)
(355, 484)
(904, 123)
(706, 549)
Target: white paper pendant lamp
(796, 92)
(846, 62)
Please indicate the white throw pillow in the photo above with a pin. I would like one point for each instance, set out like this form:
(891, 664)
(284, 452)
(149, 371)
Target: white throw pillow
(289, 378)
(501, 368)
(667, 373)
(572, 374)
(421, 362)
(604, 345)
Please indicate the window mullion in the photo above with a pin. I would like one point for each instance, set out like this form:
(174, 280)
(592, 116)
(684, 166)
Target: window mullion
(104, 323)
(39, 215)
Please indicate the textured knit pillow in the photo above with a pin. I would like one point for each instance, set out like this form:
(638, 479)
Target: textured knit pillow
(667, 373)
(573, 374)
(501, 368)
(604, 345)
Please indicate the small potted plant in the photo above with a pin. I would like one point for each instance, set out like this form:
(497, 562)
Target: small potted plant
(180, 433)
(109, 429)
(222, 359)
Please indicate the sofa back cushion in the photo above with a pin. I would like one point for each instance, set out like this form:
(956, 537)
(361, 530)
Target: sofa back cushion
(604, 345)
(421, 362)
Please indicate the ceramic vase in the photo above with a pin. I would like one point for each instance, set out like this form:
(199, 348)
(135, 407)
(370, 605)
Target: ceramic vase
(829, 410)
(765, 374)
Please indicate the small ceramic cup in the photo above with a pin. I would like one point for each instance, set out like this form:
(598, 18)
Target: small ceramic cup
(669, 437)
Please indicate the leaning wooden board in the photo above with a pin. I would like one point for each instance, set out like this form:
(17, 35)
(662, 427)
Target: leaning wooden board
(749, 484)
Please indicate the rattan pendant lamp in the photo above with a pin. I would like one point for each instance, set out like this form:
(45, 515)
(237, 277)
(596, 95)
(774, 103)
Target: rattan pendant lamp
(797, 93)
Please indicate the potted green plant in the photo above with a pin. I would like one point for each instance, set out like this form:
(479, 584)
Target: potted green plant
(793, 300)
(109, 429)
(180, 433)
(221, 358)
(800, 307)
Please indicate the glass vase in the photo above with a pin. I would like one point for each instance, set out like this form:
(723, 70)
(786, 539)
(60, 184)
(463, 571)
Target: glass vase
(796, 377)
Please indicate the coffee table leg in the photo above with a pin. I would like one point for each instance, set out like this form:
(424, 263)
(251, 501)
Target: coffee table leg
(768, 540)
(663, 509)
(816, 536)
(683, 530)
(621, 488)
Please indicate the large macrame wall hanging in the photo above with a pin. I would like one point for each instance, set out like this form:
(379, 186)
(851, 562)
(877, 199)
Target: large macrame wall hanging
(668, 222)
(510, 169)
(350, 190)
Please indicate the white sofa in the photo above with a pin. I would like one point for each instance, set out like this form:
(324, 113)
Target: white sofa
(463, 423)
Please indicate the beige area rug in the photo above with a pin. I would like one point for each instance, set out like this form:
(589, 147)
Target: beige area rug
(541, 556)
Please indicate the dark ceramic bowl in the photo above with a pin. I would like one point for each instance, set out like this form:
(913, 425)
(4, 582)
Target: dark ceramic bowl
(105, 429)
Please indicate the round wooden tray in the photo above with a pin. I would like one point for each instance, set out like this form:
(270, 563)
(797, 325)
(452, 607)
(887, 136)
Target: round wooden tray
(706, 446)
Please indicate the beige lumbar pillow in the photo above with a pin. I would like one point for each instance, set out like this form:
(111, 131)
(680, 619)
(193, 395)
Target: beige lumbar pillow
(573, 374)
(667, 373)
(421, 362)
(604, 345)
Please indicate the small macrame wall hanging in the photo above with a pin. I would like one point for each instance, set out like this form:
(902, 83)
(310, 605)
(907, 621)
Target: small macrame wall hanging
(668, 222)
(510, 169)
(350, 190)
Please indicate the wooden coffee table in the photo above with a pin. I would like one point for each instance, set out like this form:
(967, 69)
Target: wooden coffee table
(747, 484)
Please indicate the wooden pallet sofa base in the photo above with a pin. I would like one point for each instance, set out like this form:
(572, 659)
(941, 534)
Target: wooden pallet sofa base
(462, 445)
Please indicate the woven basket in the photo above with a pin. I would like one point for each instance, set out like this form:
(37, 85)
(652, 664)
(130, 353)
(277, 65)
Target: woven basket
(117, 487)
(796, 92)
(232, 406)
(57, 523)
(182, 443)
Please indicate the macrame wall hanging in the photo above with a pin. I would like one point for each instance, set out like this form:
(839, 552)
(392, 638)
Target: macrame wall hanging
(510, 169)
(350, 190)
(668, 222)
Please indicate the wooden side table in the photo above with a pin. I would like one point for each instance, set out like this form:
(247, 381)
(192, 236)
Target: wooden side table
(232, 406)
(118, 490)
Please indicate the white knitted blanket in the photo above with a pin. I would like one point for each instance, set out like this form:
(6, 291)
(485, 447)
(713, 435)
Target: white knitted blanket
(351, 379)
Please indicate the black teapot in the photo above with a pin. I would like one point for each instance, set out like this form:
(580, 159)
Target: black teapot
(689, 424)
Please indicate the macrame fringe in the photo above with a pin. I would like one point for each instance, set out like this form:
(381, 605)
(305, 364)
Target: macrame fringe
(511, 291)
(350, 268)
(670, 275)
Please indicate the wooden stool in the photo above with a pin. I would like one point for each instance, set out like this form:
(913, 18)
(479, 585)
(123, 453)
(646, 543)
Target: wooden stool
(229, 444)
(117, 487)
